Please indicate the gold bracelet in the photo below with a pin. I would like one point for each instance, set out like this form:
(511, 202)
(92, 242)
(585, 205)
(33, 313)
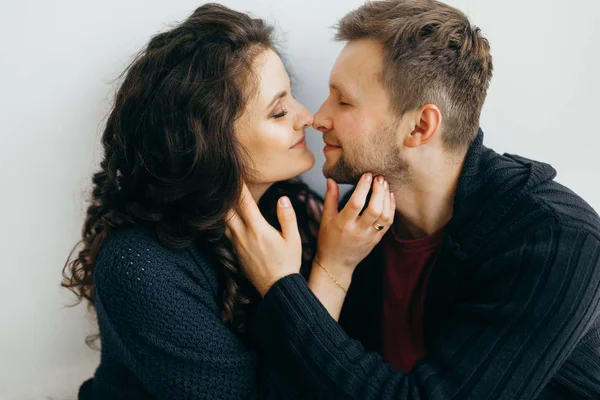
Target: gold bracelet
(331, 276)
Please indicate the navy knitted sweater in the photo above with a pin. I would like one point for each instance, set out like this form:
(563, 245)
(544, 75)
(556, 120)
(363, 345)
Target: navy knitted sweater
(161, 332)
(512, 309)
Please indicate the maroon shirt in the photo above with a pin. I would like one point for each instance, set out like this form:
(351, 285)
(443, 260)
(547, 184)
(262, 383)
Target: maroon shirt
(406, 274)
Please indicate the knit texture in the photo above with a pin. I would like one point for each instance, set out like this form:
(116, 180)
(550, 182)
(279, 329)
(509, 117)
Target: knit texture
(512, 310)
(160, 327)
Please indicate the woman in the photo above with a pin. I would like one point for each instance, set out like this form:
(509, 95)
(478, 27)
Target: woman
(205, 107)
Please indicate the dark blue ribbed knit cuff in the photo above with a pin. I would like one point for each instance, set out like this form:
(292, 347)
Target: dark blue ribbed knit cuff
(289, 313)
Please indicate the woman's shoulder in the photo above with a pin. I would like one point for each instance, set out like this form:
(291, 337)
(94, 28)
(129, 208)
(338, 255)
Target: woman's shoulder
(136, 245)
(133, 258)
(158, 313)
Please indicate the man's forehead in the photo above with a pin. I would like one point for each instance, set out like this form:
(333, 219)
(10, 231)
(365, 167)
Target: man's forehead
(359, 63)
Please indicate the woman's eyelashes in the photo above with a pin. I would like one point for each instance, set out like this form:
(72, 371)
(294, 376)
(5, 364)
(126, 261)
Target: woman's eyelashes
(280, 114)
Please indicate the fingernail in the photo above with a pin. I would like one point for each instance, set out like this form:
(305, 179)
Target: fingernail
(385, 185)
(368, 177)
(284, 202)
(380, 180)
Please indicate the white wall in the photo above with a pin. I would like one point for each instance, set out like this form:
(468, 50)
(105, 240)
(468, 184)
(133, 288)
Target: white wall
(57, 63)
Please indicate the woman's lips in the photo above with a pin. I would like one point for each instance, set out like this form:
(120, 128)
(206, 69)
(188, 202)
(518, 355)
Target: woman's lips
(299, 144)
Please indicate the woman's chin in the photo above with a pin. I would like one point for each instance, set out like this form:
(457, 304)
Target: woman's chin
(309, 159)
(290, 169)
(301, 165)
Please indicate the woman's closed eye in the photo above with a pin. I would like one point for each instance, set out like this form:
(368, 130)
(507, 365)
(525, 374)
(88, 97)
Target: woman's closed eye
(280, 114)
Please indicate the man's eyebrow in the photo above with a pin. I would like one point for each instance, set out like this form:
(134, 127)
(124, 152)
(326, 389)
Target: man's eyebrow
(343, 91)
(337, 86)
(340, 88)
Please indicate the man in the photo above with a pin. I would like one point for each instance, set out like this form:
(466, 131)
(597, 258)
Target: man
(488, 284)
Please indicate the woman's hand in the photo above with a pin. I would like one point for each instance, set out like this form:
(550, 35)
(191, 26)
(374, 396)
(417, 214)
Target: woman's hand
(265, 254)
(347, 237)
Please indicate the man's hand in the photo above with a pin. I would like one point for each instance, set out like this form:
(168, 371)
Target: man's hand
(265, 254)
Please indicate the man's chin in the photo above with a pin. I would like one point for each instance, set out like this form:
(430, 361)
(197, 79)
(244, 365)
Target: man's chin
(327, 170)
(340, 177)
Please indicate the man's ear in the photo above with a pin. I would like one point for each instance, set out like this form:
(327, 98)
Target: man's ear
(427, 122)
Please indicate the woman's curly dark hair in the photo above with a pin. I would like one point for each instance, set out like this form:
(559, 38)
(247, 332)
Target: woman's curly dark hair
(171, 161)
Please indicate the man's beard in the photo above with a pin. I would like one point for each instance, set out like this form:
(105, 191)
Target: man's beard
(344, 171)
(381, 157)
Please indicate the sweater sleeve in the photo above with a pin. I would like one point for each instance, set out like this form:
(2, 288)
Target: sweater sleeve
(166, 322)
(525, 313)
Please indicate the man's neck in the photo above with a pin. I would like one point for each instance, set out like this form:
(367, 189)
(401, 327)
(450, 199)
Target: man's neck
(424, 203)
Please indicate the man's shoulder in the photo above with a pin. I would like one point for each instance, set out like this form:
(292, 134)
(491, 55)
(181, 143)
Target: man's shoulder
(527, 190)
(553, 202)
(568, 208)
(546, 217)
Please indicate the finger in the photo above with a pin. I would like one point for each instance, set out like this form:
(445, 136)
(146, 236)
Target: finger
(248, 210)
(228, 233)
(330, 208)
(359, 197)
(375, 208)
(234, 223)
(387, 216)
(287, 219)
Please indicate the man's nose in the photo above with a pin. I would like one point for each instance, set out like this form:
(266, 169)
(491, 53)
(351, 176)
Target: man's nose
(322, 122)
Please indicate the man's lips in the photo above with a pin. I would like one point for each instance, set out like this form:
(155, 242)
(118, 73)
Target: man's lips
(330, 146)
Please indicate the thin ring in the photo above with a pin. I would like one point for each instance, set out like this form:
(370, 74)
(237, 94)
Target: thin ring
(378, 227)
